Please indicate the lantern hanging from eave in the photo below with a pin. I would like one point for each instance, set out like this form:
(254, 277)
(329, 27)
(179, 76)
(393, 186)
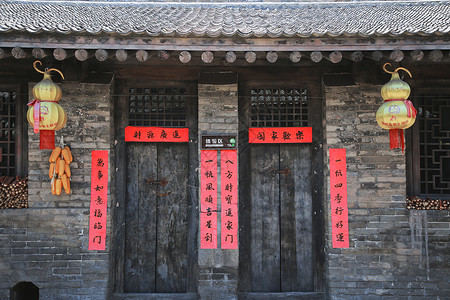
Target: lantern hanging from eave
(45, 114)
(397, 113)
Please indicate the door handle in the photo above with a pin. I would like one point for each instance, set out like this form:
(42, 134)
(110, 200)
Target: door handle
(152, 182)
(286, 171)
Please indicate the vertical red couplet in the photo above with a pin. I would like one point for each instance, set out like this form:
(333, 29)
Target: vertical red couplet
(338, 195)
(208, 199)
(229, 199)
(99, 200)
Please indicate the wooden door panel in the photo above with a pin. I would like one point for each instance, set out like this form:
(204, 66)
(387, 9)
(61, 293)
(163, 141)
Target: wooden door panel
(296, 214)
(265, 224)
(172, 236)
(140, 239)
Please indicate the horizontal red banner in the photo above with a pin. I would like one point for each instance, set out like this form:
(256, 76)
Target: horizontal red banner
(280, 135)
(156, 134)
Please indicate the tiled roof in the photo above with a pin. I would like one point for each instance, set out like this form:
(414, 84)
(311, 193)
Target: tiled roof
(228, 19)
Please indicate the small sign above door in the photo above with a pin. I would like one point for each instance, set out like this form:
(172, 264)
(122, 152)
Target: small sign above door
(156, 134)
(280, 135)
(217, 142)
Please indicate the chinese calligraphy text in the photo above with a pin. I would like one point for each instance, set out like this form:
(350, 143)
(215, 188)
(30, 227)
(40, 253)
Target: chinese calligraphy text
(229, 197)
(156, 134)
(208, 199)
(280, 135)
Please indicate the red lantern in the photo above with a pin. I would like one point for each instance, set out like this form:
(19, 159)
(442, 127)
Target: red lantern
(397, 113)
(45, 114)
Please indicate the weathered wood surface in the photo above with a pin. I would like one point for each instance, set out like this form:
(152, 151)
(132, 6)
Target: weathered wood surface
(163, 55)
(141, 55)
(272, 56)
(185, 57)
(61, 54)
(397, 55)
(83, 54)
(156, 231)
(417, 55)
(207, 57)
(121, 55)
(39, 53)
(436, 55)
(19, 53)
(295, 56)
(250, 57)
(102, 54)
(230, 57)
(316, 56)
(335, 57)
(376, 55)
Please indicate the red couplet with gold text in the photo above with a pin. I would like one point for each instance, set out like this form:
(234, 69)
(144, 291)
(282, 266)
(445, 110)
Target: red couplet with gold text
(99, 200)
(208, 199)
(338, 198)
(229, 199)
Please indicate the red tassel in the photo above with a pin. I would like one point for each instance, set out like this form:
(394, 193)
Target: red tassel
(397, 139)
(47, 139)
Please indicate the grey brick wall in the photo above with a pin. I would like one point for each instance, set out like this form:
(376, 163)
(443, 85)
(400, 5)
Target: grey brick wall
(394, 253)
(217, 114)
(47, 243)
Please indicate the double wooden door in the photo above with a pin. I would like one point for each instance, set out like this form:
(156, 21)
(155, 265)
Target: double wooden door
(280, 232)
(157, 212)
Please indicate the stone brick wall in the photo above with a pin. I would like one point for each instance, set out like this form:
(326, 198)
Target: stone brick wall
(394, 253)
(47, 243)
(217, 114)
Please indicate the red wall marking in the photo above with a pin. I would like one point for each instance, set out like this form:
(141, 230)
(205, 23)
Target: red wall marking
(156, 134)
(99, 200)
(338, 198)
(208, 199)
(280, 135)
(229, 199)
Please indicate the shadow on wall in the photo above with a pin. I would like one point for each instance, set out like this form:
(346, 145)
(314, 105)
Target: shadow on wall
(24, 291)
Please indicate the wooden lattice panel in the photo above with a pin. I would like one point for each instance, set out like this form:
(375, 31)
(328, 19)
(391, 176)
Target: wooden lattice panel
(165, 107)
(7, 132)
(434, 126)
(279, 107)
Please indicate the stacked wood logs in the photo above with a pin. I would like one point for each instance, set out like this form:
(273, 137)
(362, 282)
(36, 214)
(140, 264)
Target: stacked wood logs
(13, 192)
(427, 204)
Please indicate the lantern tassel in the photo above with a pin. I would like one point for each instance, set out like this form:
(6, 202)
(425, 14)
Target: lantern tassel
(46, 139)
(397, 139)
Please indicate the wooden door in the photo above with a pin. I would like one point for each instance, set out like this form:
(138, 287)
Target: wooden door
(281, 218)
(156, 231)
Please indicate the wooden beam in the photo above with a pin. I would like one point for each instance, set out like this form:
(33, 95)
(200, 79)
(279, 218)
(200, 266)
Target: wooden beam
(3, 53)
(272, 56)
(61, 54)
(436, 55)
(121, 55)
(39, 53)
(18, 53)
(163, 55)
(316, 56)
(185, 57)
(133, 42)
(397, 55)
(295, 56)
(416, 55)
(376, 55)
(334, 57)
(83, 54)
(141, 55)
(207, 57)
(250, 57)
(102, 54)
(230, 57)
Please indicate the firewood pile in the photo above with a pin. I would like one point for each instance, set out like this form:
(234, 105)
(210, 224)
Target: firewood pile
(13, 192)
(427, 204)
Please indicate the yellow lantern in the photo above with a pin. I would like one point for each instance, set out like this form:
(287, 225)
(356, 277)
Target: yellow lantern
(45, 114)
(397, 113)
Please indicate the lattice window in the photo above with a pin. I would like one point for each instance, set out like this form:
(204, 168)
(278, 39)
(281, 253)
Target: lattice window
(7, 132)
(279, 107)
(157, 106)
(434, 128)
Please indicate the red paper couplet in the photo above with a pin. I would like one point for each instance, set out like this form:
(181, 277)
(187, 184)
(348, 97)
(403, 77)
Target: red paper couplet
(99, 200)
(156, 134)
(338, 195)
(229, 199)
(280, 135)
(208, 200)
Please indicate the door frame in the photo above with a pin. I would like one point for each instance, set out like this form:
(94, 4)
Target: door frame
(118, 182)
(313, 83)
